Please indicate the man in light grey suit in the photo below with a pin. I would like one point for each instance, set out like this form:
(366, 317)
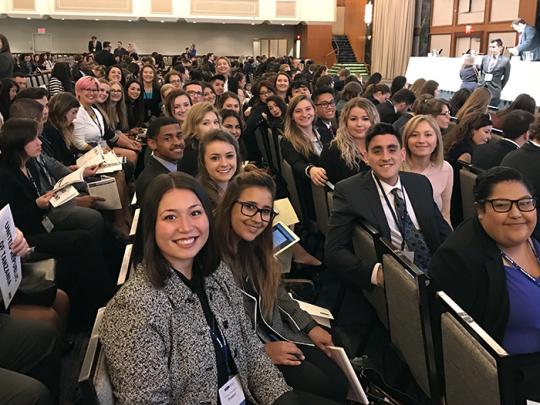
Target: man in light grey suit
(495, 69)
(529, 40)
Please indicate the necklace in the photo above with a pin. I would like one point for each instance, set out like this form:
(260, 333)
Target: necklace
(521, 269)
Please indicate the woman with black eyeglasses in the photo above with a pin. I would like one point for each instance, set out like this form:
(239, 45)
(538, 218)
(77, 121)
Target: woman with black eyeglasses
(294, 342)
(490, 265)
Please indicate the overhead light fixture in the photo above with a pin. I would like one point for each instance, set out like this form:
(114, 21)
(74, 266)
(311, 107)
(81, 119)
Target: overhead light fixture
(28, 18)
(97, 19)
(130, 20)
(162, 21)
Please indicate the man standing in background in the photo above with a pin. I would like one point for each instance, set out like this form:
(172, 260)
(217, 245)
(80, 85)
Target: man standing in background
(94, 45)
(529, 40)
(495, 69)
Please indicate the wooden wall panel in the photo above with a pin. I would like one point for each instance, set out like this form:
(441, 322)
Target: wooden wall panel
(96, 6)
(162, 6)
(286, 8)
(355, 28)
(317, 43)
(244, 8)
(24, 5)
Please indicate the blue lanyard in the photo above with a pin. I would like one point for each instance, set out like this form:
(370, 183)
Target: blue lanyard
(521, 269)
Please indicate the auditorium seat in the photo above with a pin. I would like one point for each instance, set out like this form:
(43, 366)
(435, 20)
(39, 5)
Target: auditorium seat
(467, 178)
(288, 176)
(261, 137)
(322, 211)
(134, 225)
(94, 381)
(126, 267)
(409, 319)
(275, 151)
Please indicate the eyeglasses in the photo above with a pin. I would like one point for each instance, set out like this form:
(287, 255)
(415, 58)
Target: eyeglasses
(116, 91)
(504, 205)
(194, 93)
(266, 93)
(250, 210)
(91, 90)
(325, 104)
(447, 113)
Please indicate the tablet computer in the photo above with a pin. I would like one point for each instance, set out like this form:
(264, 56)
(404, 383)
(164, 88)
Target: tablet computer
(283, 237)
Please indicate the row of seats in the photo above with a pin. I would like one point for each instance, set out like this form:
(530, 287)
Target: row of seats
(451, 358)
(39, 80)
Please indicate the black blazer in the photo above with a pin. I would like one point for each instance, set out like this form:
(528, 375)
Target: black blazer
(190, 161)
(357, 198)
(335, 166)
(469, 268)
(491, 154)
(387, 112)
(91, 48)
(54, 145)
(326, 133)
(152, 169)
(232, 84)
(526, 160)
(105, 58)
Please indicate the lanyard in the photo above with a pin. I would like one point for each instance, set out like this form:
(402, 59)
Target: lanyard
(399, 222)
(96, 120)
(518, 267)
(31, 178)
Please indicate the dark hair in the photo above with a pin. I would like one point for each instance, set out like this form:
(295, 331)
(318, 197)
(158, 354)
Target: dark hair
(15, 134)
(398, 83)
(26, 108)
(431, 106)
(429, 87)
(253, 259)
(217, 135)
(167, 77)
(375, 88)
(225, 113)
(321, 90)
(516, 123)
(156, 124)
(257, 89)
(296, 84)
(323, 81)
(191, 82)
(227, 94)
(146, 249)
(458, 99)
(382, 128)
(375, 78)
(5, 102)
(155, 82)
(5, 44)
(109, 68)
(463, 131)
(135, 108)
(498, 41)
(218, 77)
(351, 90)
(106, 44)
(35, 93)
(404, 96)
(534, 129)
(521, 102)
(518, 21)
(487, 180)
(279, 102)
(62, 72)
(169, 100)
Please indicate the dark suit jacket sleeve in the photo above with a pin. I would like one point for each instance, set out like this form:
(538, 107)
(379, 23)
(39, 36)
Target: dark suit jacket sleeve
(339, 254)
(297, 161)
(506, 74)
(335, 166)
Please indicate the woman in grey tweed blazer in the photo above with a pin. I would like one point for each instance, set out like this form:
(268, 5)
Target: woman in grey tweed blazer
(155, 331)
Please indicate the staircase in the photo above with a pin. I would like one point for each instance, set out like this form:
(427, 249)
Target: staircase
(344, 51)
(360, 69)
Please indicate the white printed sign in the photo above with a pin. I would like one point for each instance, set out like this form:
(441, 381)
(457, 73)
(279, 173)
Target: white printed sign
(10, 273)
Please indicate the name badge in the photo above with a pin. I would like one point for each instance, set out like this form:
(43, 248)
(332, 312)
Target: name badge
(231, 393)
(488, 77)
(47, 224)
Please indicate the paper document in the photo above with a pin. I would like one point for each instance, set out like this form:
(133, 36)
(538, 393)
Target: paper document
(72, 178)
(286, 212)
(91, 158)
(11, 275)
(356, 392)
(105, 188)
(320, 315)
(111, 164)
(63, 195)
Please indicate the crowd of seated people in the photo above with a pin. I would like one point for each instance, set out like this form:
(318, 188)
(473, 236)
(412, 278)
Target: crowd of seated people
(203, 255)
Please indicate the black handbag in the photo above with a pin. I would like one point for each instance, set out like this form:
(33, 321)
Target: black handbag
(35, 288)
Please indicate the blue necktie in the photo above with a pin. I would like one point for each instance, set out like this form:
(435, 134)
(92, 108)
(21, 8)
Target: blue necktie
(413, 237)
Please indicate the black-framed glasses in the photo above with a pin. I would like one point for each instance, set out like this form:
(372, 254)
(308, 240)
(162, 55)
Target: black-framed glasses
(445, 113)
(505, 205)
(250, 210)
(326, 104)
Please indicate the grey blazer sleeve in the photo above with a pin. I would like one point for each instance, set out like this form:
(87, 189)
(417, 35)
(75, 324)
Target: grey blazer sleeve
(300, 318)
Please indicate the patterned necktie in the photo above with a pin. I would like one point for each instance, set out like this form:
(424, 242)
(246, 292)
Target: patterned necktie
(413, 237)
(491, 64)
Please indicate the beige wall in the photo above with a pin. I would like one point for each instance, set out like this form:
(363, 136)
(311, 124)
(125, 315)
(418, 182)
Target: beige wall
(167, 38)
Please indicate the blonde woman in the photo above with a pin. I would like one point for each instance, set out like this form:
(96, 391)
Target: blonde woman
(478, 101)
(424, 154)
(200, 120)
(343, 157)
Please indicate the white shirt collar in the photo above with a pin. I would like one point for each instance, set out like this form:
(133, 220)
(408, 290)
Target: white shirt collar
(387, 188)
(170, 166)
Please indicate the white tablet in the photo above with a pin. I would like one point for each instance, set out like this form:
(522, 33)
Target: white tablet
(283, 237)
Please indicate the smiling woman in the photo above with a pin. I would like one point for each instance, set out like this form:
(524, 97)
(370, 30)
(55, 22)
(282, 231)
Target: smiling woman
(490, 266)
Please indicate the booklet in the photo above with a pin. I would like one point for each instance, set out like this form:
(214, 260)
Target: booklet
(111, 164)
(11, 274)
(70, 179)
(63, 195)
(105, 188)
(319, 314)
(91, 158)
(356, 392)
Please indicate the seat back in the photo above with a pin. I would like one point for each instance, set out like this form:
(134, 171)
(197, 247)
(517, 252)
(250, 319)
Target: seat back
(467, 179)
(470, 358)
(94, 379)
(134, 224)
(275, 151)
(288, 176)
(409, 319)
(322, 211)
(330, 200)
(365, 244)
(125, 268)
(262, 143)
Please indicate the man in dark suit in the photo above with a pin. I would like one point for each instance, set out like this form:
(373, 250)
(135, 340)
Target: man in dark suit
(164, 138)
(515, 131)
(375, 197)
(105, 57)
(120, 51)
(495, 69)
(529, 40)
(94, 45)
(391, 109)
(325, 105)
